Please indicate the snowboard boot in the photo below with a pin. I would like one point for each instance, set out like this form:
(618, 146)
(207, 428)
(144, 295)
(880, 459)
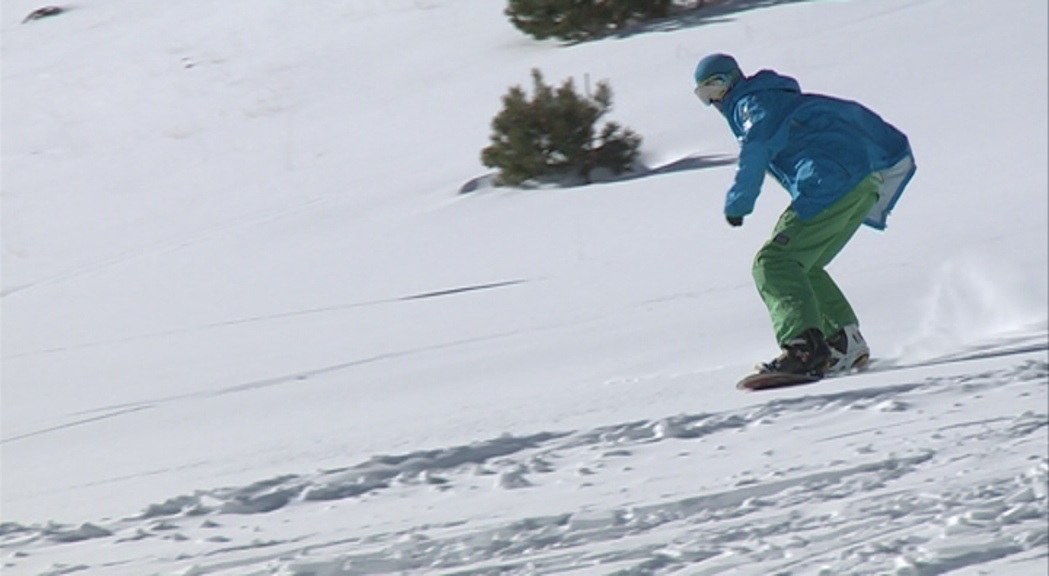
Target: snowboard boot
(805, 355)
(848, 350)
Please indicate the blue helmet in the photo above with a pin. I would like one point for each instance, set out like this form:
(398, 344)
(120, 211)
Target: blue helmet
(716, 75)
(718, 65)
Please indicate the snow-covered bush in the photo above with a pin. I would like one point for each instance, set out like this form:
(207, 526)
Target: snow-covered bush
(555, 133)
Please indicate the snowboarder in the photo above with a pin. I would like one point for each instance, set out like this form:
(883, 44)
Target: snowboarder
(843, 166)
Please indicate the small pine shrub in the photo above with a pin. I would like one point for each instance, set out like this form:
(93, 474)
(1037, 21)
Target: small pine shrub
(554, 134)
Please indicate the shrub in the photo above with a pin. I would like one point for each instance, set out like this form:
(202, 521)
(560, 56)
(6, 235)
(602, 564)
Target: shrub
(575, 20)
(555, 134)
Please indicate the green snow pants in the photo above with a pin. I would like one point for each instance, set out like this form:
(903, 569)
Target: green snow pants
(789, 269)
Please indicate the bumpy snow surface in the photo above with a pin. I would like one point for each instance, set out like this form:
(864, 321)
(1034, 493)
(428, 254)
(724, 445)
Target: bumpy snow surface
(264, 312)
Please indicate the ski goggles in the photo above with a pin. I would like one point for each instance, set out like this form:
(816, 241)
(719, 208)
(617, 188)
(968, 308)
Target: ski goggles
(712, 89)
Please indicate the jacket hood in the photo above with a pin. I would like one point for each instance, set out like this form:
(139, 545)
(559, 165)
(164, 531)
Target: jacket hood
(762, 81)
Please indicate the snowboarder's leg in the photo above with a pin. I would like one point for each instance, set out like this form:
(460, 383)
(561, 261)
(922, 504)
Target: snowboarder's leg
(834, 306)
(835, 310)
(781, 275)
(788, 270)
(786, 290)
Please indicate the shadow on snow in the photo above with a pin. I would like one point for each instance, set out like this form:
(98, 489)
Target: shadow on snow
(487, 181)
(700, 15)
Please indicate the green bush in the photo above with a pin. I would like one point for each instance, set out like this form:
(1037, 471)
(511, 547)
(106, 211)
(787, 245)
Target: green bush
(554, 134)
(576, 20)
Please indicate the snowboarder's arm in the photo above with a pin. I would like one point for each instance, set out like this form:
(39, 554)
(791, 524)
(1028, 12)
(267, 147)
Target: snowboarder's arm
(754, 127)
(753, 162)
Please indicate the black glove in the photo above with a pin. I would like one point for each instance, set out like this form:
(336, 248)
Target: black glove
(734, 221)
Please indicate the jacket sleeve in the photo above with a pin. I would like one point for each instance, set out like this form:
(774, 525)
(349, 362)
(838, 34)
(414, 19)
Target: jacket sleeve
(754, 156)
(753, 161)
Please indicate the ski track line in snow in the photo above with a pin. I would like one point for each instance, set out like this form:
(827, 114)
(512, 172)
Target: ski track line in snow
(130, 409)
(164, 246)
(117, 410)
(895, 506)
(996, 349)
(271, 317)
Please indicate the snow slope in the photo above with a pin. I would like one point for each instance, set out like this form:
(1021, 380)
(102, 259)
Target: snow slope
(250, 326)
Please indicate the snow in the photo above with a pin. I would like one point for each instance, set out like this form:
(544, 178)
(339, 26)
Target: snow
(251, 326)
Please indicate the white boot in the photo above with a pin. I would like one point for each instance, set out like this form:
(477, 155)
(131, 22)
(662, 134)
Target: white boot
(848, 351)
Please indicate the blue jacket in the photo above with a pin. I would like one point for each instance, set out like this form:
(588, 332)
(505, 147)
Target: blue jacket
(819, 148)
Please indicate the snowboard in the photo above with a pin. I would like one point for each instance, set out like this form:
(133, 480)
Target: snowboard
(770, 380)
